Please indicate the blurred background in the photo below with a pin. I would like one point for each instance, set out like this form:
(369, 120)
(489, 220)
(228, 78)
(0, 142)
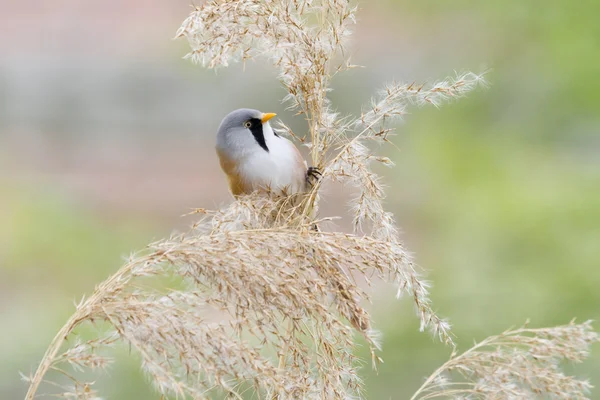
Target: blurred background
(107, 136)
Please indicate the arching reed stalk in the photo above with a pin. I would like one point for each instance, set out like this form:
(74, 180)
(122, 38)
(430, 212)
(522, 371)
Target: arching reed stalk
(521, 363)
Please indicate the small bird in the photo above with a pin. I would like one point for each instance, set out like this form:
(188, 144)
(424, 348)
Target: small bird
(254, 156)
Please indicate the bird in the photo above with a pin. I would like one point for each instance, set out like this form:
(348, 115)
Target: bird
(254, 157)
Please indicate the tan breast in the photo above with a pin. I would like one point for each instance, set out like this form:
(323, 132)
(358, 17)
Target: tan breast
(236, 183)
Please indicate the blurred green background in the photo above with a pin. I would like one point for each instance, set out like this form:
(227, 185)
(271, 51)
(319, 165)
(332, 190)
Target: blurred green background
(106, 139)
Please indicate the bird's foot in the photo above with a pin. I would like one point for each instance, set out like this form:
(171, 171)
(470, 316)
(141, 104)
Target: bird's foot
(313, 175)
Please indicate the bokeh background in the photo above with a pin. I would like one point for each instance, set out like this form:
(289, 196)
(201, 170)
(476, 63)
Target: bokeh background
(107, 135)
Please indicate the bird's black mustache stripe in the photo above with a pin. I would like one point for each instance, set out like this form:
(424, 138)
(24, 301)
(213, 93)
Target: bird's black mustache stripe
(257, 131)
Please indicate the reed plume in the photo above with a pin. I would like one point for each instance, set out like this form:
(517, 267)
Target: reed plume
(522, 363)
(267, 306)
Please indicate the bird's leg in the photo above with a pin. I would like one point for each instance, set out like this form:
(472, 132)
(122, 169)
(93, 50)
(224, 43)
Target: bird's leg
(313, 175)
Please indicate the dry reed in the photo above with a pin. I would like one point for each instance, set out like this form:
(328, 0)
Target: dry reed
(287, 294)
(522, 363)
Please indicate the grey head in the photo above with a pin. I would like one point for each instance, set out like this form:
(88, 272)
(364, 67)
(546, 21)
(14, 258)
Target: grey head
(241, 131)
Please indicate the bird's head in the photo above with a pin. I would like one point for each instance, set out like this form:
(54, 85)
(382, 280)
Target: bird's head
(244, 130)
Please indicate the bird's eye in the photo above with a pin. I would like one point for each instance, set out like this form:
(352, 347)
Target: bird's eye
(247, 124)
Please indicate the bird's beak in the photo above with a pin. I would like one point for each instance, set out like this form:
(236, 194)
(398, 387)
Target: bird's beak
(267, 117)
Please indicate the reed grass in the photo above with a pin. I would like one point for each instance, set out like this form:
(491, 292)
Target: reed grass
(290, 299)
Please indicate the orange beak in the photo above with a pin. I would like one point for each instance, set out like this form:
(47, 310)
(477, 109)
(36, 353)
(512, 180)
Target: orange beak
(267, 117)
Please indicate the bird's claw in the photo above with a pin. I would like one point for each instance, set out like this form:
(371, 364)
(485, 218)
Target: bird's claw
(313, 175)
